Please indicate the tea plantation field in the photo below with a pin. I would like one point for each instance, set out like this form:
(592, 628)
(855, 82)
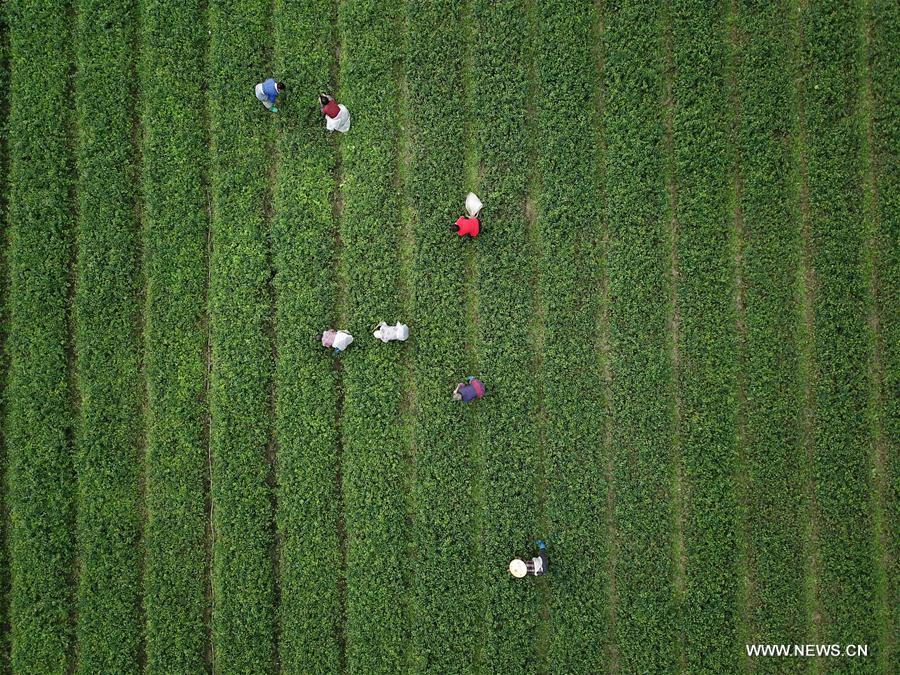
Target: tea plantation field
(684, 303)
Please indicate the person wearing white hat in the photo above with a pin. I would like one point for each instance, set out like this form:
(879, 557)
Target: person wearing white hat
(338, 340)
(535, 566)
(386, 333)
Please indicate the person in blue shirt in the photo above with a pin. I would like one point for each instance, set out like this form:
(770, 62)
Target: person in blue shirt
(268, 91)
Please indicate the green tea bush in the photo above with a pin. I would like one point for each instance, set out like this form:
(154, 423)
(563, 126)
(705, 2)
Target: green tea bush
(242, 358)
(640, 349)
(39, 424)
(171, 76)
(769, 259)
(571, 227)
(107, 457)
(840, 462)
(706, 339)
(375, 441)
(884, 27)
(448, 609)
(505, 286)
(310, 612)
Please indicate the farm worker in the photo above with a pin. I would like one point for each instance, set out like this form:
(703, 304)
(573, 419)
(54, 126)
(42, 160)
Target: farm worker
(387, 333)
(337, 117)
(337, 339)
(469, 225)
(534, 566)
(268, 91)
(469, 392)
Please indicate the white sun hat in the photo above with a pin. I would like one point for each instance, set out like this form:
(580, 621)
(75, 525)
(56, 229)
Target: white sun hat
(473, 204)
(518, 568)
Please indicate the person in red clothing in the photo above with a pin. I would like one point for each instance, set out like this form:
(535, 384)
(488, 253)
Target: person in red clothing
(469, 224)
(337, 117)
(465, 226)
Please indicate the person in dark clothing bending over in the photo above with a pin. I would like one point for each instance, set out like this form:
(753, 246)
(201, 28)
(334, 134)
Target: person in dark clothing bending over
(535, 566)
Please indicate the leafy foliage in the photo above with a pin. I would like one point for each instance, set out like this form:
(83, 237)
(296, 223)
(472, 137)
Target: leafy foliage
(175, 228)
(640, 360)
(571, 227)
(840, 464)
(106, 310)
(447, 607)
(303, 247)
(706, 338)
(39, 420)
(769, 355)
(884, 31)
(242, 358)
(508, 416)
(375, 441)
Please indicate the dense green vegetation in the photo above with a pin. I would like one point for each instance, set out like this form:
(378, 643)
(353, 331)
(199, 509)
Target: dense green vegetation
(571, 228)
(40, 418)
(505, 305)
(448, 606)
(840, 441)
(640, 359)
(310, 620)
(768, 240)
(374, 440)
(705, 339)
(107, 312)
(241, 351)
(4, 223)
(682, 303)
(175, 268)
(883, 34)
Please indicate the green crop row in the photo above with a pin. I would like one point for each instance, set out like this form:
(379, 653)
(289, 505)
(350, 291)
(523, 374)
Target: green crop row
(39, 423)
(242, 359)
(375, 441)
(4, 225)
(508, 421)
(706, 339)
(770, 257)
(447, 604)
(106, 310)
(840, 351)
(640, 360)
(175, 228)
(884, 21)
(40, 477)
(310, 621)
(570, 233)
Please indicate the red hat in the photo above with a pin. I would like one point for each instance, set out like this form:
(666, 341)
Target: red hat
(331, 108)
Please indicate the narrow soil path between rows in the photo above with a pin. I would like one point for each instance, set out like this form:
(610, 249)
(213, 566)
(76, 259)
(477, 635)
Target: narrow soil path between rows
(4, 360)
(472, 261)
(140, 310)
(744, 566)
(807, 365)
(406, 301)
(339, 314)
(605, 353)
(269, 326)
(537, 329)
(674, 330)
(73, 389)
(877, 403)
(207, 352)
